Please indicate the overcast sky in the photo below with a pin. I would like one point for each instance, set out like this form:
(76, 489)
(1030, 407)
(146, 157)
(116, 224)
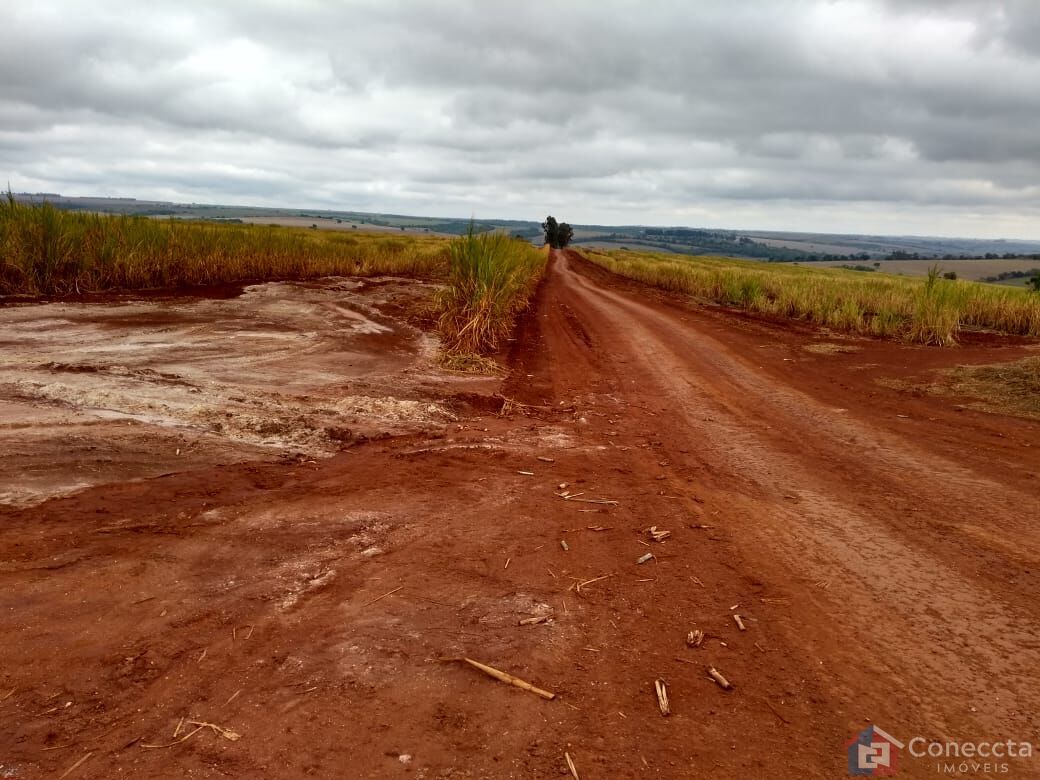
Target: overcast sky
(897, 116)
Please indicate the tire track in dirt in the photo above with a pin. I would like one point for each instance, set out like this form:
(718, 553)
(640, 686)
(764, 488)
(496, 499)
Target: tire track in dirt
(962, 649)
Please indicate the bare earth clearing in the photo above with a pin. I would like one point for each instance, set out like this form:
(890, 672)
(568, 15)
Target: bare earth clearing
(881, 546)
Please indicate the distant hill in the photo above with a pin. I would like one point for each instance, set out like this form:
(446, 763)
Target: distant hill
(770, 246)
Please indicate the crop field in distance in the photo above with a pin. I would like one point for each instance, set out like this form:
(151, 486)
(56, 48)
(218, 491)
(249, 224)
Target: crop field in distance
(930, 311)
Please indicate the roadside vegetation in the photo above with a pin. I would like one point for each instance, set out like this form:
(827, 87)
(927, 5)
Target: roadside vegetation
(47, 251)
(491, 277)
(926, 311)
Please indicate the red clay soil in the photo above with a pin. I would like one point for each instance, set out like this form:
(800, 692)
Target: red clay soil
(881, 548)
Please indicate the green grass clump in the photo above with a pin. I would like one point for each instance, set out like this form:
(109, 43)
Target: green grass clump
(929, 311)
(491, 277)
(47, 251)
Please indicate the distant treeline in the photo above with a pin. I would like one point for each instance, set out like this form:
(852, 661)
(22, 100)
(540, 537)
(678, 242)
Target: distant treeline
(1005, 275)
(900, 255)
(693, 241)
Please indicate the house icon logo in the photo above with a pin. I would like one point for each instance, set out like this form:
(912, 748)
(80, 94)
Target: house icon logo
(873, 753)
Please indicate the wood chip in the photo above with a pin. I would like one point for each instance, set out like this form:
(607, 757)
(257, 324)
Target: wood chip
(662, 697)
(716, 675)
(505, 677)
(544, 459)
(563, 544)
(658, 535)
(739, 622)
(644, 558)
(533, 621)
(695, 638)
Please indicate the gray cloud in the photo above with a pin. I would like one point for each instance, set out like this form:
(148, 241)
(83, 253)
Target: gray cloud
(865, 116)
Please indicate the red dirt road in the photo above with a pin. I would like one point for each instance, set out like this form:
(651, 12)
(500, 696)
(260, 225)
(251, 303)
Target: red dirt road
(881, 548)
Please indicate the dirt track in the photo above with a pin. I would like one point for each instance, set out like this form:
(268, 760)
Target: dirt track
(882, 549)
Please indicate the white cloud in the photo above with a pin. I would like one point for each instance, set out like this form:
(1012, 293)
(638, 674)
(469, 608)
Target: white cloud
(910, 116)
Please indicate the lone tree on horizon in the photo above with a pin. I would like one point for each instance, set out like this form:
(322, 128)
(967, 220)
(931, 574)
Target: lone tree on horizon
(557, 234)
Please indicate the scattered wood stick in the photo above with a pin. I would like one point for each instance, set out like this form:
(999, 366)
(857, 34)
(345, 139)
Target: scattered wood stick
(589, 582)
(695, 638)
(785, 720)
(644, 558)
(526, 473)
(739, 622)
(551, 572)
(233, 697)
(596, 528)
(186, 737)
(662, 697)
(75, 766)
(219, 730)
(377, 598)
(544, 459)
(716, 675)
(563, 544)
(658, 535)
(177, 731)
(203, 655)
(575, 497)
(533, 621)
(8, 695)
(505, 677)
(507, 563)
(571, 767)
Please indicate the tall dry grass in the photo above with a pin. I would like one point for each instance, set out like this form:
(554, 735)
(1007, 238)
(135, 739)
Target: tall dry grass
(928, 311)
(47, 251)
(491, 277)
